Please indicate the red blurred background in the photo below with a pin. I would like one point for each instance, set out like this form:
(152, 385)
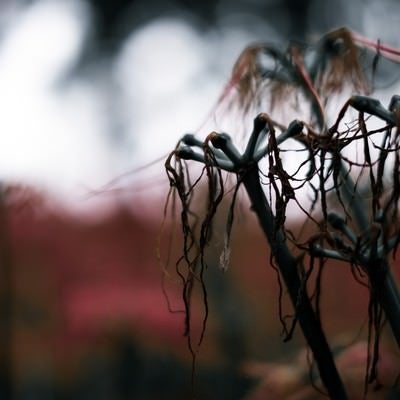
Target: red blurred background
(83, 310)
(86, 315)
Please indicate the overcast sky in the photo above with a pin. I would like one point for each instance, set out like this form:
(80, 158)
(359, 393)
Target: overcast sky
(56, 130)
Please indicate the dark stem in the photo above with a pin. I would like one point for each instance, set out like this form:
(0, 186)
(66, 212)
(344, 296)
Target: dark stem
(287, 265)
(388, 298)
(383, 285)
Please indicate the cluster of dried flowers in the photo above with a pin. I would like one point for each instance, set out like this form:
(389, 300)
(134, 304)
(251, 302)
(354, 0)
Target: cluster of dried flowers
(358, 229)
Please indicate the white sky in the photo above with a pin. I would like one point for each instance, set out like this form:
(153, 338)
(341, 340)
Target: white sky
(49, 137)
(57, 136)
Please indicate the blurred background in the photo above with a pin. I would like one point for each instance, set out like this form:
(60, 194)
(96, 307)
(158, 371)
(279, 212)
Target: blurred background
(93, 96)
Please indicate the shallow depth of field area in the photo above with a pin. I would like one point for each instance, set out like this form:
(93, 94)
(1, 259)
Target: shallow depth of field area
(199, 201)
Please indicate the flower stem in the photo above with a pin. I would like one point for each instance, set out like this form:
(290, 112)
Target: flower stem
(309, 323)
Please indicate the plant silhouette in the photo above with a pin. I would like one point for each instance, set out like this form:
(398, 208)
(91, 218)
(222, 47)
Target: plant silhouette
(361, 231)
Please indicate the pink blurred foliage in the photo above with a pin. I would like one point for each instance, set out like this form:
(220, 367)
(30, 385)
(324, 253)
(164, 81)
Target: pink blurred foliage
(92, 275)
(85, 276)
(88, 308)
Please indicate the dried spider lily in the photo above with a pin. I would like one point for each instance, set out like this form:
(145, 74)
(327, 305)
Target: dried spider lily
(319, 71)
(335, 64)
